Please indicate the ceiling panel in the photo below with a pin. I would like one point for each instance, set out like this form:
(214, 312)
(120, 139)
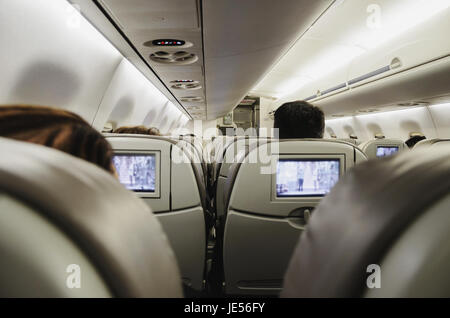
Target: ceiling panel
(346, 31)
(243, 39)
(154, 14)
(143, 21)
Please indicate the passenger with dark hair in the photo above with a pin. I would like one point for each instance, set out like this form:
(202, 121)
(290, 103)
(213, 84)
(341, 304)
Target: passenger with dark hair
(299, 119)
(56, 128)
(142, 130)
(414, 139)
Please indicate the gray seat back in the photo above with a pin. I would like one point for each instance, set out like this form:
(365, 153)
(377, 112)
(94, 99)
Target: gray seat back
(261, 228)
(416, 265)
(235, 149)
(179, 202)
(351, 140)
(432, 142)
(382, 147)
(361, 223)
(194, 146)
(58, 211)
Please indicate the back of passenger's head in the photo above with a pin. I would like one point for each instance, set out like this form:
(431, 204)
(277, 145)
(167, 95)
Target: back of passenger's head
(154, 131)
(132, 130)
(411, 142)
(299, 120)
(56, 128)
(142, 130)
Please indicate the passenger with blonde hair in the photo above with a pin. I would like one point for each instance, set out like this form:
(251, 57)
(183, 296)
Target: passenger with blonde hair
(56, 128)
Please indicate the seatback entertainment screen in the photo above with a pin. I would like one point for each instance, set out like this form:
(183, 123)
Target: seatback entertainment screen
(136, 172)
(306, 177)
(384, 151)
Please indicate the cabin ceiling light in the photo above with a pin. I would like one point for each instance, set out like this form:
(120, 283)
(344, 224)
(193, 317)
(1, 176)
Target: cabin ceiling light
(346, 31)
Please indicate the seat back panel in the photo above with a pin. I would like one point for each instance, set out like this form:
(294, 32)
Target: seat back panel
(258, 178)
(255, 265)
(371, 147)
(35, 256)
(119, 233)
(262, 227)
(182, 202)
(188, 241)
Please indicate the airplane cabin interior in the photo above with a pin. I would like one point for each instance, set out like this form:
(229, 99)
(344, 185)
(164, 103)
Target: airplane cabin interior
(208, 200)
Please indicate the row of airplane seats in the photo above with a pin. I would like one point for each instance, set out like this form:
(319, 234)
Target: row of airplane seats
(251, 204)
(217, 190)
(267, 207)
(192, 249)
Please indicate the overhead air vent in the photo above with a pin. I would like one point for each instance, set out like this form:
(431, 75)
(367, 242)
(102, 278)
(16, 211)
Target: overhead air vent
(176, 58)
(185, 84)
(192, 99)
(167, 43)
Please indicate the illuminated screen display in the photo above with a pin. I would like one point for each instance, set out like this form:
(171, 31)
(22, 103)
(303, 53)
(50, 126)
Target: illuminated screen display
(383, 151)
(306, 178)
(136, 172)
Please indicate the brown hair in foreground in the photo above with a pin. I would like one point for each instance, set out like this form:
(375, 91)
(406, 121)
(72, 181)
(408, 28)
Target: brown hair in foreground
(137, 130)
(56, 128)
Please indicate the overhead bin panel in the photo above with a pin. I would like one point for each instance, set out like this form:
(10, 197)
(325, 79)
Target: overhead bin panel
(243, 40)
(410, 69)
(422, 44)
(414, 85)
(339, 54)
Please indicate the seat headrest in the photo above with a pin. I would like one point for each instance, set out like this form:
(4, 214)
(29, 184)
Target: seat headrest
(363, 215)
(433, 142)
(115, 229)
